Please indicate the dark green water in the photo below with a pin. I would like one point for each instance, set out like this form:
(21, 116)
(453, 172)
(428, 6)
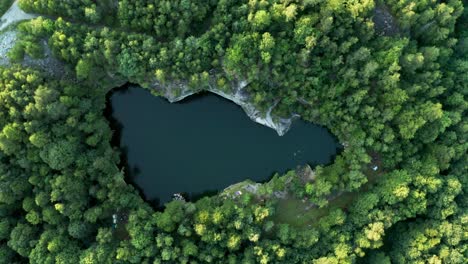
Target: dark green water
(205, 143)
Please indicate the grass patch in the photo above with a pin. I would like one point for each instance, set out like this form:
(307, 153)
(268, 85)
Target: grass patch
(300, 214)
(294, 212)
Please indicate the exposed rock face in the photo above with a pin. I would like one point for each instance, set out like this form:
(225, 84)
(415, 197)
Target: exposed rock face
(385, 23)
(9, 37)
(238, 189)
(174, 91)
(306, 173)
(47, 63)
(178, 90)
(7, 41)
(303, 173)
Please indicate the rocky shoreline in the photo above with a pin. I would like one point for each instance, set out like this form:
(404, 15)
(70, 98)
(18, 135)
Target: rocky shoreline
(178, 91)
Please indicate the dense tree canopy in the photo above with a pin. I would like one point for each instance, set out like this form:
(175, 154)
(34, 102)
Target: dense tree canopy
(388, 78)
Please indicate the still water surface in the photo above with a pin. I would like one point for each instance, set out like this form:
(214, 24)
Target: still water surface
(204, 144)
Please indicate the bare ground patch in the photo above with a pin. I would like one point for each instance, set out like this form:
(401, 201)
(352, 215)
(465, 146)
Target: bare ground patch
(385, 23)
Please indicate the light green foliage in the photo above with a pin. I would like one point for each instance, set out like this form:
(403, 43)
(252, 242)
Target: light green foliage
(83, 68)
(260, 20)
(433, 240)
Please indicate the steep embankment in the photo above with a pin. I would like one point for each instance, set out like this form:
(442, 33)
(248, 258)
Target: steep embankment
(177, 91)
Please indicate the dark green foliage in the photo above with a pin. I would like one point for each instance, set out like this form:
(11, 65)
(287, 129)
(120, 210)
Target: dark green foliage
(166, 19)
(59, 155)
(4, 5)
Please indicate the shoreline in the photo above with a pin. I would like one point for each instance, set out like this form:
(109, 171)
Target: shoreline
(177, 91)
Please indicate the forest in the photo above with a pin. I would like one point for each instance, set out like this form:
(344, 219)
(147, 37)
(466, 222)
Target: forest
(388, 78)
(4, 5)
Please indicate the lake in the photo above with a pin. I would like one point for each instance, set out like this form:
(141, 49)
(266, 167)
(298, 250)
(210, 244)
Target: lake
(204, 144)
